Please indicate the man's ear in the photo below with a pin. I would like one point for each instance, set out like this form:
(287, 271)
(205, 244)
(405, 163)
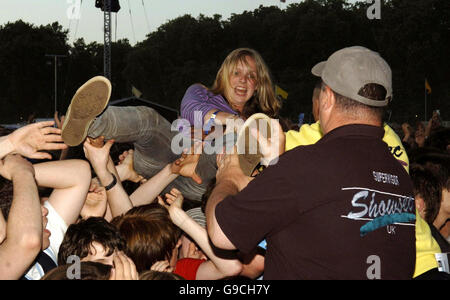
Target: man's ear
(328, 99)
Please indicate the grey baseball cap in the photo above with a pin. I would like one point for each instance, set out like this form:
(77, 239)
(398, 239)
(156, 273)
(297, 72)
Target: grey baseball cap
(348, 70)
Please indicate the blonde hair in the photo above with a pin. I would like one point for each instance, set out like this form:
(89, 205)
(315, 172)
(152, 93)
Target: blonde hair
(264, 99)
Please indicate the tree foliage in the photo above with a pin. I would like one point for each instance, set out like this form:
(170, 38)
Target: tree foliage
(412, 35)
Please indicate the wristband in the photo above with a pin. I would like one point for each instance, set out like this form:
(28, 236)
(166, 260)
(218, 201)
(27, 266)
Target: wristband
(112, 184)
(211, 121)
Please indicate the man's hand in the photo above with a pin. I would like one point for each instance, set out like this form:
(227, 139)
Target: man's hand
(98, 157)
(125, 167)
(30, 139)
(187, 163)
(230, 169)
(14, 164)
(174, 203)
(272, 147)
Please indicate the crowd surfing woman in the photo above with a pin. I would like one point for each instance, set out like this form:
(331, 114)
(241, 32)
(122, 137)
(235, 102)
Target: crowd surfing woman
(242, 87)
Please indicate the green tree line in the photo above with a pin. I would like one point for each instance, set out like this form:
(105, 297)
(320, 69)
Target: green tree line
(412, 35)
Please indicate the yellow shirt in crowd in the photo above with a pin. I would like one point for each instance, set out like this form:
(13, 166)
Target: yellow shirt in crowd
(426, 245)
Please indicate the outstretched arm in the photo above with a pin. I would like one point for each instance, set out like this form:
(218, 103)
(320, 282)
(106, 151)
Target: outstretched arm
(30, 139)
(24, 228)
(184, 166)
(216, 267)
(118, 200)
(70, 180)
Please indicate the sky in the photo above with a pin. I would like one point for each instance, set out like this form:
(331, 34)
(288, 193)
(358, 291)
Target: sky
(134, 21)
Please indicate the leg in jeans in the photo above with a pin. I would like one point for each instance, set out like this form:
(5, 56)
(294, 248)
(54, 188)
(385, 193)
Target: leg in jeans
(151, 136)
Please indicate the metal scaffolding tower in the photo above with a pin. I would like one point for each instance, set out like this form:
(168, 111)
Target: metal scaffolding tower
(107, 6)
(107, 39)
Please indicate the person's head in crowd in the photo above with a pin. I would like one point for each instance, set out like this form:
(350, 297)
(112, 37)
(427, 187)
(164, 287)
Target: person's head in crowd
(93, 239)
(189, 248)
(427, 192)
(157, 275)
(439, 139)
(150, 235)
(356, 86)
(88, 271)
(431, 177)
(6, 196)
(244, 80)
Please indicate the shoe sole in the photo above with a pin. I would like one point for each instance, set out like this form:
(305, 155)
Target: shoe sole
(87, 103)
(249, 156)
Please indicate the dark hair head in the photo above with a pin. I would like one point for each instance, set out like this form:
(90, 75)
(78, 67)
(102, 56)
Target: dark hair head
(149, 233)
(156, 275)
(426, 185)
(88, 271)
(80, 236)
(6, 196)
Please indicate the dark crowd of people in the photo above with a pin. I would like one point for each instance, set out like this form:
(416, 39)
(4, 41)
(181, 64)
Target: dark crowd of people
(119, 193)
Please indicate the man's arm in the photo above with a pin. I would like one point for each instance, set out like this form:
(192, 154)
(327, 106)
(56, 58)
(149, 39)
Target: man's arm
(184, 166)
(24, 228)
(229, 181)
(70, 181)
(118, 199)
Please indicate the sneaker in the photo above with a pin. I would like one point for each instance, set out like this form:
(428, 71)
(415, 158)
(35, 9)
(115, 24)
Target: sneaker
(247, 146)
(88, 102)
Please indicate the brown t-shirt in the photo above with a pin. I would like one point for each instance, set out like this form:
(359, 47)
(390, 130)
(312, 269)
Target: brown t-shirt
(342, 208)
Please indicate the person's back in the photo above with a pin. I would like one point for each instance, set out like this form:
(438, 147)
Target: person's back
(345, 213)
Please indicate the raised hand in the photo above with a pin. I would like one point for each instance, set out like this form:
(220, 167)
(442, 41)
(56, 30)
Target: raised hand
(124, 268)
(272, 147)
(187, 163)
(174, 203)
(230, 169)
(125, 168)
(98, 157)
(162, 266)
(31, 139)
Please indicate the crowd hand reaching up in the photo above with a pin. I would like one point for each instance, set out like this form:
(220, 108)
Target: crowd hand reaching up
(162, 266)
(123, 268)
(125, 168)
(31, 139)
(230, 169)
(96, 201)
(97, 152)
(187, 163)
(272, 147)
(174, 203)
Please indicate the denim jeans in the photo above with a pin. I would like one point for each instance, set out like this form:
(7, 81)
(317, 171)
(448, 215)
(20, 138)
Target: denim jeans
(151, 136)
